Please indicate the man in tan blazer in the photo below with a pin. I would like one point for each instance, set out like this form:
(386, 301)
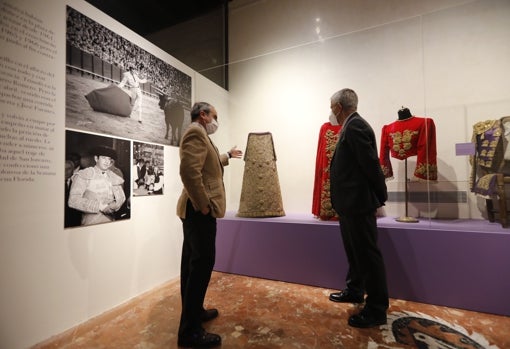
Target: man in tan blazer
(201, 202)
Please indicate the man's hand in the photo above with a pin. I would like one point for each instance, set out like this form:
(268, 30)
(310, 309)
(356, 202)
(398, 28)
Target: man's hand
(235, 153)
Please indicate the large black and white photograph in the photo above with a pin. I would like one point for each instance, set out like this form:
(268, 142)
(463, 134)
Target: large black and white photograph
(97, 179)
(148, 169)
(115, 87)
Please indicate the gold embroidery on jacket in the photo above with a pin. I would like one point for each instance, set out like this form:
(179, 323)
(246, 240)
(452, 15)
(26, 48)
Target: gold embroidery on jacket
(402, 141)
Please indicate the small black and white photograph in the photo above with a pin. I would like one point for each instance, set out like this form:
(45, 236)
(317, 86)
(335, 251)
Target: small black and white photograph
(97, 179)
(115, 87)
(148, 169)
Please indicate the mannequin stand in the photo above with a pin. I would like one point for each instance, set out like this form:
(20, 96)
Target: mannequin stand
(406, 218)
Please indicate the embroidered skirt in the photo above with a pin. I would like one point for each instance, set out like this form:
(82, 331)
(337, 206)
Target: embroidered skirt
(260, 193)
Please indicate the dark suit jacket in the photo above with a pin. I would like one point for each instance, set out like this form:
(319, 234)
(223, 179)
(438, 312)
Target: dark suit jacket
(142, 172)
(201, 171)
(357, 182)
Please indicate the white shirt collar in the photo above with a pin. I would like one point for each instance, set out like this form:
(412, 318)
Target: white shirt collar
(347, 118)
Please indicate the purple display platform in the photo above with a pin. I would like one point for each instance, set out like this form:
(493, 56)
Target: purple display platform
(456, 263)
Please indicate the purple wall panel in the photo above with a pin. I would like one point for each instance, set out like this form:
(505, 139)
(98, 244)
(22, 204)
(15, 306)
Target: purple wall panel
(462, 264)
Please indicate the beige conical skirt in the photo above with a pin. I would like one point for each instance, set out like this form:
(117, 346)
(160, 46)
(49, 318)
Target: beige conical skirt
(260, 194)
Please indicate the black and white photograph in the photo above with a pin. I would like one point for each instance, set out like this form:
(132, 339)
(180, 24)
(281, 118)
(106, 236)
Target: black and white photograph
(148, 169)
(97, 179)
(115, 87)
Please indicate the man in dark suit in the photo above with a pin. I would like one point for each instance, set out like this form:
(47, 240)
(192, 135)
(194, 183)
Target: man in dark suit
(201, 202)
(358, 188)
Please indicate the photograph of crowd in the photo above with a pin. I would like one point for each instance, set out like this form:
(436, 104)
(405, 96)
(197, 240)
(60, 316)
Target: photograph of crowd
(115, 87)
(148, 169)
(97, 179)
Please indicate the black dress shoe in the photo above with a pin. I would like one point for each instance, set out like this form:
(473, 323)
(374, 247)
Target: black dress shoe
(367, 319)
(346, 297)
(201, 339)
(208, 315)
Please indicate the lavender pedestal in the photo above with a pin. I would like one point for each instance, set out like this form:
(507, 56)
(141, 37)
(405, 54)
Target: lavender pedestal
(458, 263)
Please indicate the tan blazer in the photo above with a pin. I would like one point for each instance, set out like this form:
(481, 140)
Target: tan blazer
(201, 173)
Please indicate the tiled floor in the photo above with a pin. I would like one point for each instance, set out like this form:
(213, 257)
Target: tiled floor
(258, 313)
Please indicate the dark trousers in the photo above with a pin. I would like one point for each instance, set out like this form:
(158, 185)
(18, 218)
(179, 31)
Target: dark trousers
(366, 265)
(198, 255)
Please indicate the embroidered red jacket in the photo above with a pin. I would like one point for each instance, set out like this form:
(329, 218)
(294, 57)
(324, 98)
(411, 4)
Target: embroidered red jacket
(415, 136)
(321, 205)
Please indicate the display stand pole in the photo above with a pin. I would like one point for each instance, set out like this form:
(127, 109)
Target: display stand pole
(406, 218)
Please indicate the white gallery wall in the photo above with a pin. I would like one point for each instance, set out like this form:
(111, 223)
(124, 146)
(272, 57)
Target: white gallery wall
(54, 278)
(444, 59)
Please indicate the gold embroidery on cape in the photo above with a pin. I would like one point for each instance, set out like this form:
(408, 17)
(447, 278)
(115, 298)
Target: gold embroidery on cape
(326, 208)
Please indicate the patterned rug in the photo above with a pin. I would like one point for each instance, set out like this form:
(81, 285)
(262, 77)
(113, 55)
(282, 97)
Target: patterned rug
(264, 314)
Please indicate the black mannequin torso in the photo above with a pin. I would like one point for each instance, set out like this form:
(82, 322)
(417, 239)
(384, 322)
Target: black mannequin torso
(404, 113)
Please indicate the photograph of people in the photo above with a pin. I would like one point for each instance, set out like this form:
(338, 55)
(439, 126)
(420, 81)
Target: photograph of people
(131, 80)
(115, 87)
(148, 171)
(98, 190)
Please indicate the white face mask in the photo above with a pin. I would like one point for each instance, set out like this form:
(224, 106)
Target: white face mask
(211, 127)
(332, 119)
